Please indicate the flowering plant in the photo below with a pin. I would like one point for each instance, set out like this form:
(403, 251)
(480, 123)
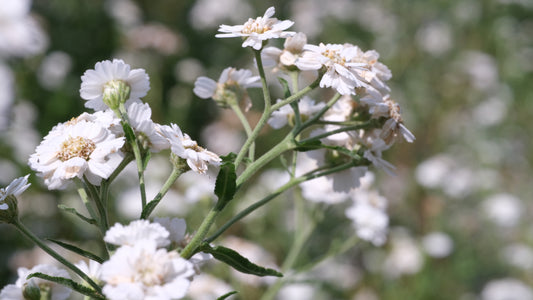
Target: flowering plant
(326, 152)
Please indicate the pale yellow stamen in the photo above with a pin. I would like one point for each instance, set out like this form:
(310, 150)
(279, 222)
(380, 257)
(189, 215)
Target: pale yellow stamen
(255, 25)
(76, 147)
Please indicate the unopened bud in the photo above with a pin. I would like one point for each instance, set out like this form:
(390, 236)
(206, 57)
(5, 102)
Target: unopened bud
(9, 210)
(115, 93)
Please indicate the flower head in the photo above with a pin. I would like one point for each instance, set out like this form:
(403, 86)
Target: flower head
(139, 115)
(77, 148)
(145, 272)
(255, 31)
(287, 57)
(15, 188)
(137, 232)
(110, 78)
(230, 88)
(285, 114)
(183, 146)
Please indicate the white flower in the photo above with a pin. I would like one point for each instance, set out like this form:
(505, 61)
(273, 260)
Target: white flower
(255, 31)
(183, 146)
(20, 34)
(144, 272)
(76, 148)
(139, 115)
(368, 215)
(506, 289)
(175, 226)
(94, 82)
(93, 269)
(57, 291)
(205, 87)
(137, 232)
(339, 63)
(437, 244)
(15, 188)
(293, 49)
(505, 210)
(282, 116)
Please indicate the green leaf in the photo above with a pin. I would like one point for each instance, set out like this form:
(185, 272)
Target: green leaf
(148, 208)
(237, 261)
(128, 132)
(146, 158)
(68, 283)
(225, 296)
(285, 86)
(73, 211)
(308, 146)
(79, 251)
(225, 185)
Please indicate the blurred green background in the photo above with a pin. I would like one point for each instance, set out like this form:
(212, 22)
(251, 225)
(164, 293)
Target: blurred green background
(462, 72)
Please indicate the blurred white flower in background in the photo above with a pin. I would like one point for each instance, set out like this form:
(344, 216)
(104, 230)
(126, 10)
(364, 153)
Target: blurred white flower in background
(518, 255)
(436, 37)
(437, 244)
(207, 14)
(53, 70)
(207, 287)
(503, 209)
(7, 95)
(405, 257)
(20, 33)
(506, 289)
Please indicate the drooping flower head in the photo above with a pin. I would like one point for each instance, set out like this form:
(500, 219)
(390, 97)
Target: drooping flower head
(8, 200)
(77, 148)
(255, 31)
(183, 146)
(230, 88)
(112, 78)
(287, 57)
(15, 188)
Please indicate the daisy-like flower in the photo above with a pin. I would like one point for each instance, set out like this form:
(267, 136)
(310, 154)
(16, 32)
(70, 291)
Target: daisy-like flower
(106, 76)
(77, 148)
(145, 272)
(15, 188)
(231, 86)
(139, 115)
(183, 146)
(339, 62)
(57, 291)
(136, 232)
(285, 114)
(255, 31)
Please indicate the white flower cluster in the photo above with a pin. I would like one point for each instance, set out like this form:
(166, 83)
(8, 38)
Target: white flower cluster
(91, 145)
(144, 266)
(22, 285)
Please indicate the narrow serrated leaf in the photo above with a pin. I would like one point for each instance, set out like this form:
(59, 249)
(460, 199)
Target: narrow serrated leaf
(308, 146)
(225, 296)
(128, 132)
(225, 185)
(237, 261)
(148, 208)
(78, 250)
(285, 85)
(73, 211)
(146, 159)
(68, 283)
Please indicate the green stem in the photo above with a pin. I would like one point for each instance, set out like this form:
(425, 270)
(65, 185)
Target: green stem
(286, 144)
(136, 151)
(197, 239)
(343, 129)
(297, 95)
(55, 255)
(176, 172)
(85, 199)
(266, 111)
(237, 109)
(286, 186)
(103, 222)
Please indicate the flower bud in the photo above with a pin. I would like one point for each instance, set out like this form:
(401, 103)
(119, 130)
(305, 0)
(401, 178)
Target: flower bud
(9, 210)
(115, 93)
(31, 291)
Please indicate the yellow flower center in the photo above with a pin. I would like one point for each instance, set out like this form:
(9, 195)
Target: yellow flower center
(76, 147)
(334, 56)
(256, 26)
